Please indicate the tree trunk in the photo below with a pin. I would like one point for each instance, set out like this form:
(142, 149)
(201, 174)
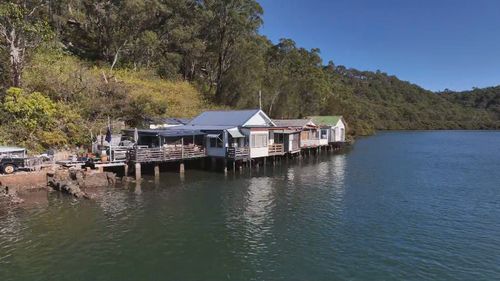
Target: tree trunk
(16, 59)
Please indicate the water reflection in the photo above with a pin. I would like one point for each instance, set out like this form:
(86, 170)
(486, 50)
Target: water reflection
(259, 201)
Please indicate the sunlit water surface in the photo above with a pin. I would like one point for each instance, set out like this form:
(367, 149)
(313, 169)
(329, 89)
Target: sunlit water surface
(398, 206)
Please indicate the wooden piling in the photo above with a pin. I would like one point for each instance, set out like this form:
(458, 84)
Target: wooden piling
(157, 170)
(138, 174)
(181, 168)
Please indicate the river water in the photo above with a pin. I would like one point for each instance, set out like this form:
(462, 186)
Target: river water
(397, 206)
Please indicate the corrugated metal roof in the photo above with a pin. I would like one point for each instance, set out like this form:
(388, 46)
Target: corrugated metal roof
(326, 120)
(206, 127)
(224, 118)
(169, 121)
(235, 133)
(292, 122)
(174, 132)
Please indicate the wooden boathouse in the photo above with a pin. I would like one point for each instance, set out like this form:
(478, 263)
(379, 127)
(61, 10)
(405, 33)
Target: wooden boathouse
(309, 131)
(334, 126)
(233, 136)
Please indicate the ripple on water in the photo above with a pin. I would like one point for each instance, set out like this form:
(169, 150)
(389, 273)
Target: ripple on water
(399, 206)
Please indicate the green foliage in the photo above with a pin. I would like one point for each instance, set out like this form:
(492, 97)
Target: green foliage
(487, 99)
(23, 27)
(35, 121)
(132, 60)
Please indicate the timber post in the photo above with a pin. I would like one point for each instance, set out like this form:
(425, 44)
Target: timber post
(181, 168)
(138, 171)
(157, 170)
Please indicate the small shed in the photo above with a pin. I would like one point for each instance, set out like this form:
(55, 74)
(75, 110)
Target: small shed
(309, 131)
(335, 124)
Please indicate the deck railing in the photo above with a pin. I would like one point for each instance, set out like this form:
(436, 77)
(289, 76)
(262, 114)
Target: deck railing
(238, 152)
(165, 154)
(309, 142)
(276, 149)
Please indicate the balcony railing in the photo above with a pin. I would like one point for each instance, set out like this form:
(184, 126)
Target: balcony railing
(276, 149)
(238, 152)
(164, 154)
(309, 142)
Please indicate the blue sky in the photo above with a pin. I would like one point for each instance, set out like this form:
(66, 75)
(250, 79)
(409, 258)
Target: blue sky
(436, 44)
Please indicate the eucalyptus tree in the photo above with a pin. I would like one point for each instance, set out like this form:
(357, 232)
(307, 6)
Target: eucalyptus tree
(23, 27)
(229, 23)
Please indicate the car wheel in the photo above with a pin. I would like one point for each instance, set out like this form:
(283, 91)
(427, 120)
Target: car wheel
(9, 169)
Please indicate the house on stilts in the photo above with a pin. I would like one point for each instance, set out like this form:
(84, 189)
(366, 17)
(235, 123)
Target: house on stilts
(234, 134)
(333, 126)
(309, 132)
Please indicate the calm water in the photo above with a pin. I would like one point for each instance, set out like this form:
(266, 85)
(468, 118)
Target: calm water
(399, 206)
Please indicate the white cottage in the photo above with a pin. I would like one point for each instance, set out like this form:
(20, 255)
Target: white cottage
(235, 134)
(335, 125)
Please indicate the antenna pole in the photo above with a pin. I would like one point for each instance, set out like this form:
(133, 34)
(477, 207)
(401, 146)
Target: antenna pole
(260, 99)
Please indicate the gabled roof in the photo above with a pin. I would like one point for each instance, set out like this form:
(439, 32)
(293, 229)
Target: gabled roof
(327, 120)
(229, 118)
(293, 122)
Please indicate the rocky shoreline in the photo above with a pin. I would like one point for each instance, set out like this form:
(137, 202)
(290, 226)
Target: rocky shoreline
(75, 182)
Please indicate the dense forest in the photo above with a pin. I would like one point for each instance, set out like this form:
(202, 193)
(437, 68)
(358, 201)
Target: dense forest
(68, 65)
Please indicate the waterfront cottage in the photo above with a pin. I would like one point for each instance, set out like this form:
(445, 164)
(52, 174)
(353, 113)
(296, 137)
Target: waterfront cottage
(335, 127)
(309, 132)
(234, 134)
(162, 145)
(284, 140)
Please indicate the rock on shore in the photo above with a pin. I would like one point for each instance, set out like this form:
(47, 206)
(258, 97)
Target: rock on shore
(74, 181)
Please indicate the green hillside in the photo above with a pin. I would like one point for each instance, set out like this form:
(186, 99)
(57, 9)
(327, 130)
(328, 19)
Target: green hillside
(74, 63)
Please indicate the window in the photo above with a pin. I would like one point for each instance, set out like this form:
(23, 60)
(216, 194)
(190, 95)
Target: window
(324, 134)
(216, 142)
(259, 141)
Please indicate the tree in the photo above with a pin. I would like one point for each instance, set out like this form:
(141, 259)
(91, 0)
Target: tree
(229, 21)
(104, 30)
(22, 28)
(35, 121)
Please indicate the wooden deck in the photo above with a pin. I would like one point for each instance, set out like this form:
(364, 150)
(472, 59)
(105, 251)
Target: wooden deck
(276, 149)
(166, 154)
(238, 152)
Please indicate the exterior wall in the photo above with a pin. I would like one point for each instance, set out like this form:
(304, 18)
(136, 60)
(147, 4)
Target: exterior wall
(339, 132)
(271, 137)
(308, 138)
(217, 151)
(291, 138)
(326, 139)
(256, 152)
